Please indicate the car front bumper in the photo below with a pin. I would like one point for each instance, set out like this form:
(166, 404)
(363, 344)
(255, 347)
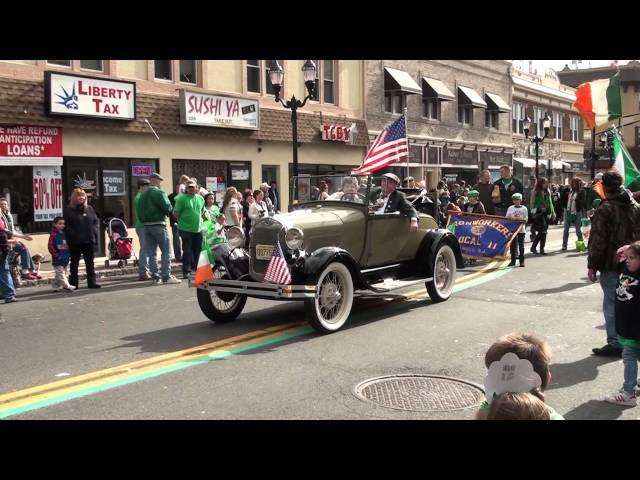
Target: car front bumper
(261, 290)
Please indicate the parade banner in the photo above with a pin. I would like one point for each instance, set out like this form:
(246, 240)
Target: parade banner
(484, 236)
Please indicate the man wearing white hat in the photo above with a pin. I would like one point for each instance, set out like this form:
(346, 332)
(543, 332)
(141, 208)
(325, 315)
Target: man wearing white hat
(264, 186)
(391, 201)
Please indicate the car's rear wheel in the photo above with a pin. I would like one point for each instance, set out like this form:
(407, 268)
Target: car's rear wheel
(330, 310)
(220, 306)
(444, 274)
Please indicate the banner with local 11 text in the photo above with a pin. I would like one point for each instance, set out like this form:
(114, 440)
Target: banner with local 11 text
(484, 236)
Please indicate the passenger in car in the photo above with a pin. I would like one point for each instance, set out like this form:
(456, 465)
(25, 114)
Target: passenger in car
(391, 201)
(349, 191)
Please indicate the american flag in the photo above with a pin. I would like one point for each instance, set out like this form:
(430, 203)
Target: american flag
(277, 271)
(391, 146)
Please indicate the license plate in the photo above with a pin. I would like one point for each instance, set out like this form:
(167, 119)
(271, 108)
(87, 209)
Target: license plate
(264, 252)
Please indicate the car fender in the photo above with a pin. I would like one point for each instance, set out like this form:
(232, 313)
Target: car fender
(432, 241)
(234, 260)
(316, 262)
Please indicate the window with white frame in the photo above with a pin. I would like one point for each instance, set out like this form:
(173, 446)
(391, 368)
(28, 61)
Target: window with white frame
(162, 69)
(539, 114)
(465, 114)
(60, 63)
(91, 65)
(517, 118)
(188, 71)
(253, 76)
(394, 102)
(491, 119)
(270, 90)
(575, 124)
(324, 87)
(557, 125)
(432, 108)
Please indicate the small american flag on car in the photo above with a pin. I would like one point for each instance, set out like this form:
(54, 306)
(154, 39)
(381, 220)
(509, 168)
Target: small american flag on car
(278, 271)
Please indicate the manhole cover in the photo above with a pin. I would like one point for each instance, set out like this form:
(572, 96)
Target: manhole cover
(420, 393)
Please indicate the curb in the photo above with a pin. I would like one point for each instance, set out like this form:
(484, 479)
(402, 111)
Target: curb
(99, 274)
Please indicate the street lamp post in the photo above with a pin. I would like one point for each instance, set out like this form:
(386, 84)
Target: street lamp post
(546, 125)
(606, 142)
(276, 75)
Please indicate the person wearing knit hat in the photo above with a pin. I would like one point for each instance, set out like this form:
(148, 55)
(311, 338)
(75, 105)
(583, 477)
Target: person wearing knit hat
(517, 211)
(474, 205)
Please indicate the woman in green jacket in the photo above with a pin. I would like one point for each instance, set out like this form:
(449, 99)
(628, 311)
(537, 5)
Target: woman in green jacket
(542, 213)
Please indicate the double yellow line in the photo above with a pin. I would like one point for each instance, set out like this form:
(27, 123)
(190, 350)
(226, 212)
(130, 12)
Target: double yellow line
(61, 390)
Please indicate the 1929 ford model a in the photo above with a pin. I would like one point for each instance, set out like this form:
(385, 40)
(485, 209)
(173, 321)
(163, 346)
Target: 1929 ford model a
(332, 248)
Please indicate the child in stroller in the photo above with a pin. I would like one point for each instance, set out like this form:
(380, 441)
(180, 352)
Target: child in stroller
(120, 244)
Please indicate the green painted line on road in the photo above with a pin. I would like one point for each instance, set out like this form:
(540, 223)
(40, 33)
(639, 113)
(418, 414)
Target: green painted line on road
(143, 376)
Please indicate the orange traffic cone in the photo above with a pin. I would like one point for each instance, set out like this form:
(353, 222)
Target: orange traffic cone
(204, 273)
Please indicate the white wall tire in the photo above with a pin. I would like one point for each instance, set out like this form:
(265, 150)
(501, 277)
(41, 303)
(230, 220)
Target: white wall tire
(330, 310)
(444, 274)
(220, 307)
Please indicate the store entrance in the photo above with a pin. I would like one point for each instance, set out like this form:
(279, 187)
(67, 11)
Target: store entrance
(111, 185)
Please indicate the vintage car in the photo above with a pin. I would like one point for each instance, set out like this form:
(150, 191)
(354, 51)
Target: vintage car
(333, 248)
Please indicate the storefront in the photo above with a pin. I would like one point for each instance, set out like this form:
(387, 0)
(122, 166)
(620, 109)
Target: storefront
(214, 175)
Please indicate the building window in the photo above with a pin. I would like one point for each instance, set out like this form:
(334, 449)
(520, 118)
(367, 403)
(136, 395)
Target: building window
(432, 109)
(162, 69)
(517, 117)
(60, 63)
(91, 65)
(491, 119)
(253, 76)
(575, 124)
(465, 114)
(329, 81)
(394, 102)
(267, 81)
(557, 125)
(539, 114)
(188, 71)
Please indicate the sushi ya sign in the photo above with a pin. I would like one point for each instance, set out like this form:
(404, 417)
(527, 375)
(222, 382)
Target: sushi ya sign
(218, 111)
(76, 95)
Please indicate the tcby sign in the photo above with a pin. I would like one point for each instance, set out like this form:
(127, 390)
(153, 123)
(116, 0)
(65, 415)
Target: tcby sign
(218, 111)
(337, 133)
(89, 97)
(47, 193)
(30, 145)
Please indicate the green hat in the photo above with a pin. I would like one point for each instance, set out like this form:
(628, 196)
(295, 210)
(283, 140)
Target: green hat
(473, 193)
(517, 196)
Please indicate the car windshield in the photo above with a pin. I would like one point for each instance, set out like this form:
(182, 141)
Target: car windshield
(342, 188)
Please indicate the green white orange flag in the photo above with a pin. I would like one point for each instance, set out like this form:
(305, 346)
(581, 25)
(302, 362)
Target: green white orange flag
(625, 165)
(204, 273)
(599, 101)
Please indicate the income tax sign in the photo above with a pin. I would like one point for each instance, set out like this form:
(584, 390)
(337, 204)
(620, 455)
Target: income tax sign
(47, 193)
(484, 236)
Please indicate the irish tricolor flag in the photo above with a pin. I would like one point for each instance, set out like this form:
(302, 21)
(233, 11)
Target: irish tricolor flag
(625, 165)
(599, 101)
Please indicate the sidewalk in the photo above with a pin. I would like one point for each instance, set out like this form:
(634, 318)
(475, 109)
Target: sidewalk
(47, 273)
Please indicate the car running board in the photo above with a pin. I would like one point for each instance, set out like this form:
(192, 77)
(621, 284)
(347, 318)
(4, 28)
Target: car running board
(392, 284)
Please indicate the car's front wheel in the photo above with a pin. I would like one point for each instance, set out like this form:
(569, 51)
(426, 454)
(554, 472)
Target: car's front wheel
(220, 306)
(444, 274)
(330, 310)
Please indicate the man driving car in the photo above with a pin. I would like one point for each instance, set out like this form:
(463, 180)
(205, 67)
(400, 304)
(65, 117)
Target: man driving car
(391, 201)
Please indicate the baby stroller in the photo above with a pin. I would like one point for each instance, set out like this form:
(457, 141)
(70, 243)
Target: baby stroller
(120, 244)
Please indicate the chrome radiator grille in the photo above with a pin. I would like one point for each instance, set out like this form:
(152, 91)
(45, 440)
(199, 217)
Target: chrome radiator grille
(265, 233)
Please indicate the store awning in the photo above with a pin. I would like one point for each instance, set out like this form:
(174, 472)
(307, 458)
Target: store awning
(468, 96)
(496, 103)
(399, 81)
(432, 88)
(527, 162)
(558, 164)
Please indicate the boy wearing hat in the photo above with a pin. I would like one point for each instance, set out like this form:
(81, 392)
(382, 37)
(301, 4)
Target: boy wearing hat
(474, 205)
(517, 211)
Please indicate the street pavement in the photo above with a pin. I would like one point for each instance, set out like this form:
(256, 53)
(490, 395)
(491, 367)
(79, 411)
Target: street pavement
(135, 351)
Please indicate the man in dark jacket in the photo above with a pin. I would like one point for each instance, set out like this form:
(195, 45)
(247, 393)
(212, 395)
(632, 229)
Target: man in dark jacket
(616, 222)
(484, 188)
(391, 201)
(508, 186)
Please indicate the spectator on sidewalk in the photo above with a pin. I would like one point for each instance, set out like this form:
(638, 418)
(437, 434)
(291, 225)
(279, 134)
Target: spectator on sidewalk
(26, 260)
(535, 352)
(627, 314)
(211, 210)
(484, 187)
(576, 206)
(267, 199)
(7, 288)
(615, 223)
(59, 250)
(154, 207)
(542, 214)
(474, 205)
(247, 202)
(517, 211)
(173, 223)
(507, 186)
(143, 255)
(231, 208)
(188, 210)
(81, 230)
(274, 196)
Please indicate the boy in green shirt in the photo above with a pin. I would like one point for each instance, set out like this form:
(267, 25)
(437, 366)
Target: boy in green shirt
(188, 211)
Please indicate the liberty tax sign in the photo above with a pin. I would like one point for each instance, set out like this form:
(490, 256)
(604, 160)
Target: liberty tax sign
(76, 95)
(218, 111)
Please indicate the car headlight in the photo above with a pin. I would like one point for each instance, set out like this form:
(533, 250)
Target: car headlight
(235, 237)
(294, 238)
